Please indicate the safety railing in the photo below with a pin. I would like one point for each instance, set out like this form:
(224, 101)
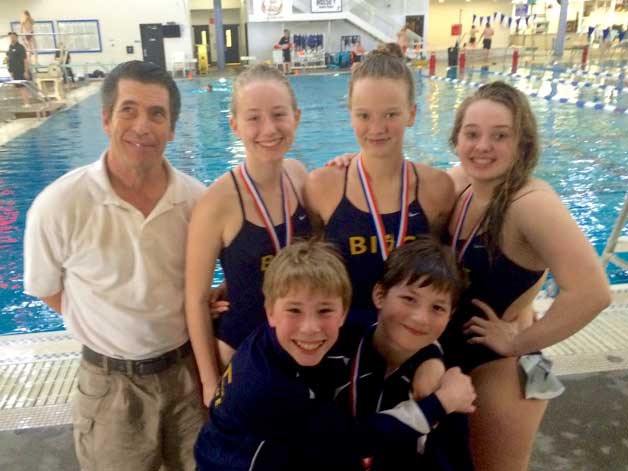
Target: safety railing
(582, 62)
(363, 13)
(373, 15)
(617, 243)
(21, 96)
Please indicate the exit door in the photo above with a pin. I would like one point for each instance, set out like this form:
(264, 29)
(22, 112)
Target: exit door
(198, 39)
(232, 48)
(153, 44)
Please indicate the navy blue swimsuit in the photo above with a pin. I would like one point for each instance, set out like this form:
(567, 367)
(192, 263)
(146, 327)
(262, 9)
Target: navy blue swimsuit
(243, 262)
(351, 229)
(498, 283)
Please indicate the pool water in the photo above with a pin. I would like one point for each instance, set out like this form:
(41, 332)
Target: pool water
(584, 156)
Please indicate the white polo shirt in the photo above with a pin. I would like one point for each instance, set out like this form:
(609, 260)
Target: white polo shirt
(121, 274)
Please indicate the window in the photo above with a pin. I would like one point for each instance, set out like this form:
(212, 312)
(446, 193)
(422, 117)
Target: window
(80, 35)
(44, 37)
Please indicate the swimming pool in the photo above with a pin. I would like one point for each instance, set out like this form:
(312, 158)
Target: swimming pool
(585, 157)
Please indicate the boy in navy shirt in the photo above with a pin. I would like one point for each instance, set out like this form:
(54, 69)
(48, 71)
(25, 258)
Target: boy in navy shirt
(400, 357)
(274, 407)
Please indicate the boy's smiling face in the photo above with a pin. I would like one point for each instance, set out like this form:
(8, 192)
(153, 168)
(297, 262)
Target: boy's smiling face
(306, 323)
(410, 316)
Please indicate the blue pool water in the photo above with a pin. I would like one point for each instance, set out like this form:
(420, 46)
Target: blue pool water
(585, 157)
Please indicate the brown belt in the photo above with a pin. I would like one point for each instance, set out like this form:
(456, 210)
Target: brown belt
(138, 367)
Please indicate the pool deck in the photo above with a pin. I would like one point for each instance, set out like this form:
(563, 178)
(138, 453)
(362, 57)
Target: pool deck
(585, 429)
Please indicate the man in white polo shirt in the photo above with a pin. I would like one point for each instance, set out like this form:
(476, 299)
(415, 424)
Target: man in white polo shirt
(105, 247)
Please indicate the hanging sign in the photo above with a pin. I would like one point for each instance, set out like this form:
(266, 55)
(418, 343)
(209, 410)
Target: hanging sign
(326, 6)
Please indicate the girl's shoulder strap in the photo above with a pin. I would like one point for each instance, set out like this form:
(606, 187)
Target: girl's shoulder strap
(237, 187)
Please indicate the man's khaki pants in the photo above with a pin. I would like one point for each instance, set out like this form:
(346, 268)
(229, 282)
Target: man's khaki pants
(138, 423)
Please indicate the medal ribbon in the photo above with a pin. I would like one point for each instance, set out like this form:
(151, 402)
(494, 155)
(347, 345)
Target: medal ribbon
(369, 195)
(355, 371)
(262, 210)
(461, 218)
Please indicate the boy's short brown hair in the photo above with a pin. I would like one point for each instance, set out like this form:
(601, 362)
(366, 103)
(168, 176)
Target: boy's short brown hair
(428, 260)
(311, 264)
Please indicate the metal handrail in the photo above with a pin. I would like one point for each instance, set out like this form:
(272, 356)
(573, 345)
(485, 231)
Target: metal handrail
(617, 243)
(374, 17)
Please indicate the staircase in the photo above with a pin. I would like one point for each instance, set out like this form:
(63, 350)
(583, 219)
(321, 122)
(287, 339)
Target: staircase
(363, 14)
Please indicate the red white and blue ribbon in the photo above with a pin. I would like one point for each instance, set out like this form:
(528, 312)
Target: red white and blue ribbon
(355, 371)
(369, 195)
(263, 212)
(461, 218)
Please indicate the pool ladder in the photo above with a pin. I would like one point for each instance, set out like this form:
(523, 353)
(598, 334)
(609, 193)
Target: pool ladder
(617, 243)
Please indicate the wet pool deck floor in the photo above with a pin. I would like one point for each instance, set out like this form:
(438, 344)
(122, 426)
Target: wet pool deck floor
(585, 429)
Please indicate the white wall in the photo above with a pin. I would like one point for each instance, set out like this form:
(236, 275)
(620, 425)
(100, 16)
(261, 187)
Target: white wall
(263, 36)
(601, 17)
(209, 4)
(443, 15)
(416, 7)
(119, 24)
(229, 17)
(604, 18)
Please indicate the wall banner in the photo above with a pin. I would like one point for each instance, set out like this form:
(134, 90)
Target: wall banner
(326, 6)
(272, 8)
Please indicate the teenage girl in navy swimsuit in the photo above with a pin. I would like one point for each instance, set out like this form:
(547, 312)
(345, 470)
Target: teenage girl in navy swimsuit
(380, 200)
(244, 218)
(508, 229)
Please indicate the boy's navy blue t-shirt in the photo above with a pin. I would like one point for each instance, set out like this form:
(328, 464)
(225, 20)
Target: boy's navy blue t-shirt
(269, 413)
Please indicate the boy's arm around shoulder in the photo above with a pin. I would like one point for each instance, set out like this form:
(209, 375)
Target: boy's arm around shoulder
(427, 378)
(454, 393)
(430, 369)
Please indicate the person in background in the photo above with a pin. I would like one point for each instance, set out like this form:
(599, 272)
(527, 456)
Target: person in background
(18, 65)
(357, 52)
(286, 48)
(62, 55)
(487, 38)
(508, 229)
(473, 33)
(27, 30)
(104, 246)
(407, 38)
